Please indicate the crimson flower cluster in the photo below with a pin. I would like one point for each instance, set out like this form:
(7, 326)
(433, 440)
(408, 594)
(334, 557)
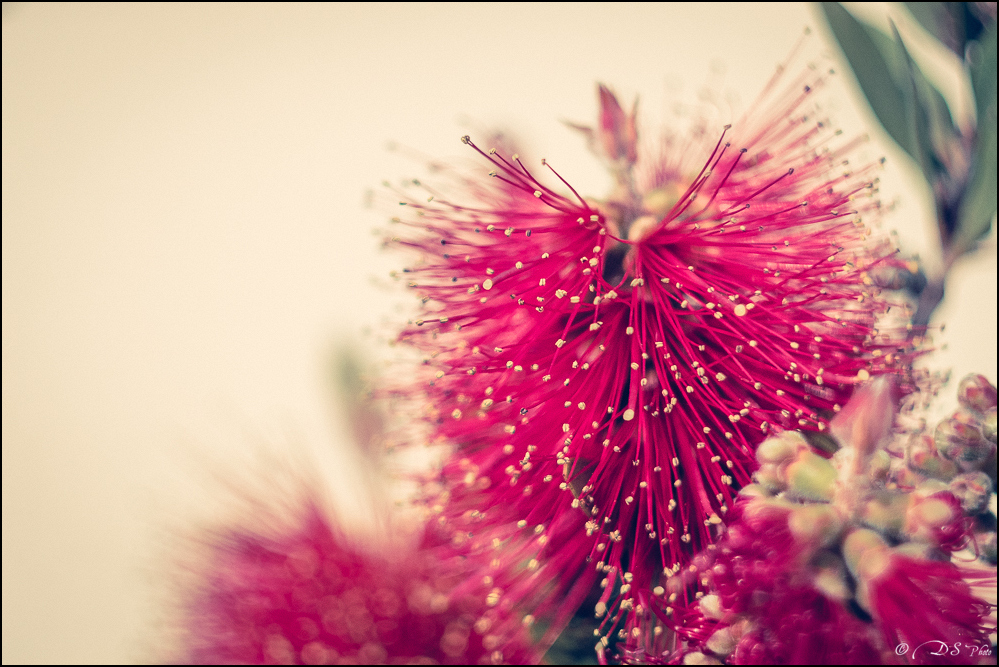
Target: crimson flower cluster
(302, 592)
(603, 372)
(614, 363)
(832, 562)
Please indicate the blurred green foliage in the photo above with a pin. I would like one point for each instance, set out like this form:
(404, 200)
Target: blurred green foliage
(957, 159)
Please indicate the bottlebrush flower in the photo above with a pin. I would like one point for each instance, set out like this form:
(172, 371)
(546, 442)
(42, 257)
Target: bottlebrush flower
(799, 580)
(619, 360)
(303, 593)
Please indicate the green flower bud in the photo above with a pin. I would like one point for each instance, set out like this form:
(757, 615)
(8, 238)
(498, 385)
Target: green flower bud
(658, 202)
(922, 457)
(973, 490)
(781, 448)
(866, 556)
(925, 517)
(920, 550)
(816, 526)
(907, 478)
(960, 440)
(929, 487)
(987, 550)
(769, 478)
(754, 491)
(811, 477)
(989, 425)
(885, 512)
(975, 392)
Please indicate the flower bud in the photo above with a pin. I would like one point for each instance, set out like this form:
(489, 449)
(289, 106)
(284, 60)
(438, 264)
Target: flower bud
(754, 491)
(616, 132)
(815, 525)
(781, 448)
(866, 556)
(856, 544)
(769, 478)
(929, 488)
(922, 457)
(989, 425)
(960, 440)
(642, 226)
(975, 392)
(936, 519)
(904, 477)
(885, 512)
(811, 477)
(866, 421)
(986, 541)
(918, 551)
(972, 489)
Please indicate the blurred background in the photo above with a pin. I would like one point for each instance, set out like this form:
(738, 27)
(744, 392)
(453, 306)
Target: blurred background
(187, 237)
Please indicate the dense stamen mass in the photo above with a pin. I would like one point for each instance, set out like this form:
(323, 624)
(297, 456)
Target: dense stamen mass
(621, 360)
(304, 593)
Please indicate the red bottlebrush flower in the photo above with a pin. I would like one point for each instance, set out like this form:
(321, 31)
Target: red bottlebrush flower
(306, 594)
(621, 360)
(921, 606)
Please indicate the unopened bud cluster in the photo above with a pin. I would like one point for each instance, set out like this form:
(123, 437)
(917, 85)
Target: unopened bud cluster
(834, 546)
(960, 452)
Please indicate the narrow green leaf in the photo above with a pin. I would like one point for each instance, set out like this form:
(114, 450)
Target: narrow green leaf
(979, 203)
(914, 112)
(929, 117)
(875, 74)
(982, 57)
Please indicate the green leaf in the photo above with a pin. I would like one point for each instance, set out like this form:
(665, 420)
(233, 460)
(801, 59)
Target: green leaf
(929, 117)
(913, 112)
(982, 57)
(978, 205)
(917, 117)
(878, 78)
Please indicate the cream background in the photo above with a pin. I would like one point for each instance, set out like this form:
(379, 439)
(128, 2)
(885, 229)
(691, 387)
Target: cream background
(185, 236)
